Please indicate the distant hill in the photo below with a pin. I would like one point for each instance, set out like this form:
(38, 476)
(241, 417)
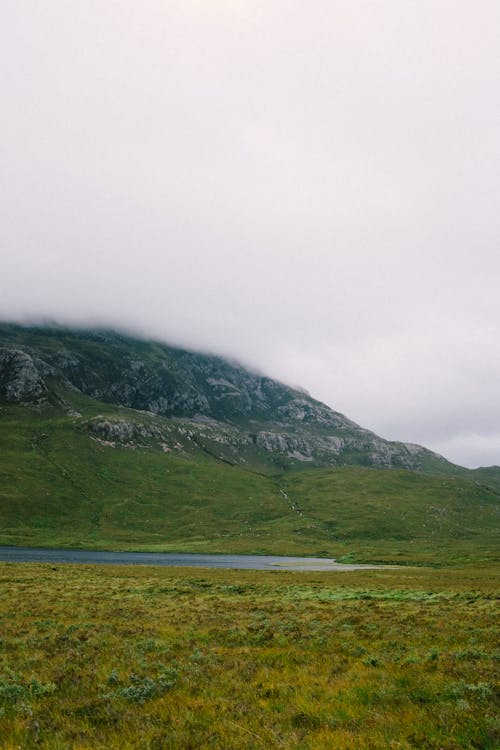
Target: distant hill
(112, 441)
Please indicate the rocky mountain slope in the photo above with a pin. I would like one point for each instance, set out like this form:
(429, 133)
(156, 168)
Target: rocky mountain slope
(181, 398)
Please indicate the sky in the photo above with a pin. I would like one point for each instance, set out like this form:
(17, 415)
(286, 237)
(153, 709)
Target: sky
(311, 188)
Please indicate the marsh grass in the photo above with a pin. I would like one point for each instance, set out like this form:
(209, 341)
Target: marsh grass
(144, 657)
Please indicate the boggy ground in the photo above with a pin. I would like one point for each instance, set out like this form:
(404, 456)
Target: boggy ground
(158, 658)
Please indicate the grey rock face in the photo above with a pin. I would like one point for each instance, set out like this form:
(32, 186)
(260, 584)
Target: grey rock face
(123, 431)
(20, 380)
(305, 410)
(290, 445)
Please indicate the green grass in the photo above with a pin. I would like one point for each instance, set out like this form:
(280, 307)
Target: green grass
(60, 487)
(399, 515)
(95, 657)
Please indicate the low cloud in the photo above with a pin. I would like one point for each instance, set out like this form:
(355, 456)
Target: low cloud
(313, 192)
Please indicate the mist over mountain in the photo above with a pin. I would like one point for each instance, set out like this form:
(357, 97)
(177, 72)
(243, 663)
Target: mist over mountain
(312, 190)
(224, 401)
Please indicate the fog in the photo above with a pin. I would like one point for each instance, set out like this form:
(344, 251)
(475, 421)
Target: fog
(310, 189)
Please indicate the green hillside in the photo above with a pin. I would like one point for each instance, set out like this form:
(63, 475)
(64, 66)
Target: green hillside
(62, 486)
(400, 515)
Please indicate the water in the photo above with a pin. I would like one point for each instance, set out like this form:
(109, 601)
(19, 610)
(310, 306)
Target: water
(248, 562)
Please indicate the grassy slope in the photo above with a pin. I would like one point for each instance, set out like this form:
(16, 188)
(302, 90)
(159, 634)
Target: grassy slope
(400, 515)
(58, 487)
(489, 476)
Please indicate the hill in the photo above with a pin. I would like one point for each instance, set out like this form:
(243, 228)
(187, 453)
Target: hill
(112, 442)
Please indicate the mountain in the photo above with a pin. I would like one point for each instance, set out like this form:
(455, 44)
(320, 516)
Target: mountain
(223, 407)
(110, 441)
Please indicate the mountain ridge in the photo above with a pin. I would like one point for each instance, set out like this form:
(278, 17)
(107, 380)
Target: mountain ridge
(211, 392)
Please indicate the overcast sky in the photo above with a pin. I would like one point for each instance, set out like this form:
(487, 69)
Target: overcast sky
(312, 188)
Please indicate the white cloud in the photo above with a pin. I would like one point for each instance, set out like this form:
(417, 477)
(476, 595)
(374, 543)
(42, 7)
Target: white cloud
(470, 449)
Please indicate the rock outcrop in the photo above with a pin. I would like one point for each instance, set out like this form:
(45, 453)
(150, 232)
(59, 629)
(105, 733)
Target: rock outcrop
(20, 380)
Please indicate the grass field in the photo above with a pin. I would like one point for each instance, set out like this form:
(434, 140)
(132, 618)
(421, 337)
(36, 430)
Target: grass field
(141, 657)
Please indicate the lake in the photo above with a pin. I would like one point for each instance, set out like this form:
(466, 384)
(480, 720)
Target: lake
(248, 562)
